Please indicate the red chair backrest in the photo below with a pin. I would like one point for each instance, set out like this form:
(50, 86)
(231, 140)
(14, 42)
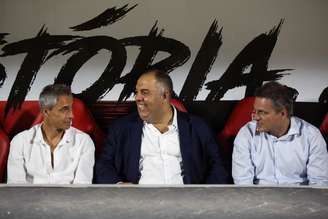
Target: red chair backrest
(178, 105)
(241, 114)
(19, 119)
(4, 151)
(324, 126)
(84, 121)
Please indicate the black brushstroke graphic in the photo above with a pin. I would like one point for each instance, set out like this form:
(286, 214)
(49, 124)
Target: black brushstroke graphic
(109, 16)
(202, 64)
(323, 98)
(85, 49)
(255, 54)
(2, 36)
(149, 46)
(36, 49)
(3, 75)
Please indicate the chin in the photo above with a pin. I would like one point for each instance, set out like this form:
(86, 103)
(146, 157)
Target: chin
(66, 127)
(260, 129)
(142, 116)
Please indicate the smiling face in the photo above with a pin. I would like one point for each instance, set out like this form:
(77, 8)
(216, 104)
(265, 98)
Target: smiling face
(151, 98)
(60, 116)
(268, 118)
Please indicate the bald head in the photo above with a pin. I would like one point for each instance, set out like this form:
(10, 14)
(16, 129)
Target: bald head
(162, 79)
(153, 94)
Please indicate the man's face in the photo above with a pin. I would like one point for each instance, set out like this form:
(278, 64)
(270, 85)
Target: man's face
(61, 115)
(149, 98)
(267, 118)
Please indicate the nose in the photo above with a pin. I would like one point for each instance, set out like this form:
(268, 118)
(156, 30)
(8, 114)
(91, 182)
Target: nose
(255, 116)
(138, 97)
(70, 114)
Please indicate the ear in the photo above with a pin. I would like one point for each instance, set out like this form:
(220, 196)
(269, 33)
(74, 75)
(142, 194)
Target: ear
(45, 112)
(284, 113)
(166, 95)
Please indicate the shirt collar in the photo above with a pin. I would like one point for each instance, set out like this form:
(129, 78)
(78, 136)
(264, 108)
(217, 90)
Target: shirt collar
(294, 129)
(175, 118)
(174, 124)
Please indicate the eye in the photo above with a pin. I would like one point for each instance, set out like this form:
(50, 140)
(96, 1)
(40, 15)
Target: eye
(64, 109)
(260, 113)
(263, 113)
(145, 92)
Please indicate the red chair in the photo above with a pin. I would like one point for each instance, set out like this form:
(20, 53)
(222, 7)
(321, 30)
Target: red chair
(4, 151)
(15, 121)
(178, 105)
(84, 121)
(324, 127)
(19, 119)
(241, 114)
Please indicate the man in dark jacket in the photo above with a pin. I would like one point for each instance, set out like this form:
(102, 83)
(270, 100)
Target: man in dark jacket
(159, 144)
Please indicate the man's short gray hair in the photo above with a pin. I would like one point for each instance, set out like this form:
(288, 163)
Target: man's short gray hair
(281, 96)
(50, 93)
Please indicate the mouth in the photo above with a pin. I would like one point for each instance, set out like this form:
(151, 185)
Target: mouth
(68, 122)
(258, 126)
(143, 111)
(141, 107)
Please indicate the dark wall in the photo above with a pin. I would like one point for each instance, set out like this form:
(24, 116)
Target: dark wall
(215, 113)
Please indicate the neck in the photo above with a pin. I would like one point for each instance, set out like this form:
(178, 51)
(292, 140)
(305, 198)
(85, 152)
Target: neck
(165, 120)
(168, 116)
(282, 129)
(51, 135)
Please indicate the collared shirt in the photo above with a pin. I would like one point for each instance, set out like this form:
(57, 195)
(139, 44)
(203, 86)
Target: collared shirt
(30, 158)
(160, 160)
(298, 157)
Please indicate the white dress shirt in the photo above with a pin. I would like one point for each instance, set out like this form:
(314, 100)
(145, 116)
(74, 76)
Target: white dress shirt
(160, 160)
(30, 158)
(298, 157)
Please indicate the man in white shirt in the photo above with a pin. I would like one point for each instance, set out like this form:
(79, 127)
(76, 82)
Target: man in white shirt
(276, 147)
(52, 152)
(159, 144)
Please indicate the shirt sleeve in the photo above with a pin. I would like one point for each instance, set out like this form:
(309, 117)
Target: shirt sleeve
(317, 167)
(16, 172)
(84, 171)
(242, 166)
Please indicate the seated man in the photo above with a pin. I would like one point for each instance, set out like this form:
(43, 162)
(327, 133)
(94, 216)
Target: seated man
(278, 148)
(52, 152)
(159, 145)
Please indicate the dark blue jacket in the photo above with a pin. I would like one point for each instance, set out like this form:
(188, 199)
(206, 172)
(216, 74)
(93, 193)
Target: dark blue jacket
(120, 158)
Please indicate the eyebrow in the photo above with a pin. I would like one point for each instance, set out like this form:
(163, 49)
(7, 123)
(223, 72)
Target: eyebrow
(65, 107)
(143, 89)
